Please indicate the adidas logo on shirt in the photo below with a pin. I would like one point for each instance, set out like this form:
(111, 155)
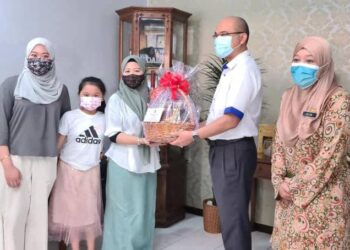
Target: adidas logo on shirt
(89, 136)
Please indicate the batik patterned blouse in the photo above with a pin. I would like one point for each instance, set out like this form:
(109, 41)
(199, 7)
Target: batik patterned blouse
(318, 177)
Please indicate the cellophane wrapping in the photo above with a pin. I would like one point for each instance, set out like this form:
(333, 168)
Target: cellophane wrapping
(171, 108)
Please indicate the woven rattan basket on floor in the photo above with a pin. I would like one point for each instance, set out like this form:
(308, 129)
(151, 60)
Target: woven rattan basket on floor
(162, 132)
(211, 218)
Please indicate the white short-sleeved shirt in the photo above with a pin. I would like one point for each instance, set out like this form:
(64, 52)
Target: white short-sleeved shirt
(121, 118)
(84, 138)
(238, 93)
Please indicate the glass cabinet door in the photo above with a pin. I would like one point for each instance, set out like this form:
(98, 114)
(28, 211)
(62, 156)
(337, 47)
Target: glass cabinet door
(152, 40)
(126, 39)
(178, 41)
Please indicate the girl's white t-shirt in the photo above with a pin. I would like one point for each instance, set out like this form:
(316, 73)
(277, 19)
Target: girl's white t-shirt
(84, 138)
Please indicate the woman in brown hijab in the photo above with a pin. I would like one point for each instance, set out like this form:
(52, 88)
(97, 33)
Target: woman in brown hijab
(310, 174)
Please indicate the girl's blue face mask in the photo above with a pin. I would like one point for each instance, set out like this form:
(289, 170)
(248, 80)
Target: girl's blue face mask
(304, 75)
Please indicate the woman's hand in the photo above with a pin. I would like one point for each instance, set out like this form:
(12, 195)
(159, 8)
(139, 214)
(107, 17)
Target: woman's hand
(143, 141)
(12, 174)
(284, 191)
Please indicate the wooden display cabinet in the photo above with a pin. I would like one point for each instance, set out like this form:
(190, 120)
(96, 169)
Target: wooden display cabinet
(159, 35)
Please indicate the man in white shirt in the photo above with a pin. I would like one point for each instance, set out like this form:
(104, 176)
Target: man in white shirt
(231, 125)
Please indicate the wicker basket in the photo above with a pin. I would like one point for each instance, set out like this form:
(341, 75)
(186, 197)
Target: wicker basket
(162, 132)
(211, 218)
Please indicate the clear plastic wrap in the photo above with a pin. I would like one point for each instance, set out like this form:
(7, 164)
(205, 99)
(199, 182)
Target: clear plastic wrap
(171, 108)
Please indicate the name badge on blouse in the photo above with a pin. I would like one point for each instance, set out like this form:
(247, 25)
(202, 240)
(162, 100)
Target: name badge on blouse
(309, 114)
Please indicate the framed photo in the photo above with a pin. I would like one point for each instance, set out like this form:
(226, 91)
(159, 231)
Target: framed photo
(160, 42)
(265, 138)
(267, 143)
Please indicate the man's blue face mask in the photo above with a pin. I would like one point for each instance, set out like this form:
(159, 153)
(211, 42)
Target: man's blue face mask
(304, 75)
(222, 46)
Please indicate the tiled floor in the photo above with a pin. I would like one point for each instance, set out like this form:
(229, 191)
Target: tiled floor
(189, 235)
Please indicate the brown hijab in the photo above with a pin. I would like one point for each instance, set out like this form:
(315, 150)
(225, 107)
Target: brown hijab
(292, 124)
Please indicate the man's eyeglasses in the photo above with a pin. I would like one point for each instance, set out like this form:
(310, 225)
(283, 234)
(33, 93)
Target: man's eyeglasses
(227, 34)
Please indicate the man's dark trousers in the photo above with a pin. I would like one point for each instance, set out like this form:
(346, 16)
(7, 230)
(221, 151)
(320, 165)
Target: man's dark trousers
(232, 165)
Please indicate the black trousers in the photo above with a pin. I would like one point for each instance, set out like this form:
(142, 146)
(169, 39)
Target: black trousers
(232, 166)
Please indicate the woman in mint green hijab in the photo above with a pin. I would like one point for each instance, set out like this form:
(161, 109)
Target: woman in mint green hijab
(131, 180)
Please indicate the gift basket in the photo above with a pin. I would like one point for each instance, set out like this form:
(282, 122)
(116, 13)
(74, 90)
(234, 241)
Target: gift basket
(171, 108)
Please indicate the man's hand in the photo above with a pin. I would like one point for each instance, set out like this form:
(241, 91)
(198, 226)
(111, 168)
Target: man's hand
(183, 139)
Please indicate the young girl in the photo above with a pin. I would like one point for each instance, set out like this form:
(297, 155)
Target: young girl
(75, 204)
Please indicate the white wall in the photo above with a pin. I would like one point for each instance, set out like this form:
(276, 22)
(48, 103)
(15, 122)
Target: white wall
(84, 33)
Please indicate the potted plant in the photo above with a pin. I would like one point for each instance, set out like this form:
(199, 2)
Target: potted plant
(211, 70)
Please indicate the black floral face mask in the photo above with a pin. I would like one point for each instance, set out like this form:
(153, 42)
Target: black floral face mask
(39, 67)
(133, 81)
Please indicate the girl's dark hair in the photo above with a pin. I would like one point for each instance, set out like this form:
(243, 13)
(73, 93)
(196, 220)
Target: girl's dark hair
(99, 84)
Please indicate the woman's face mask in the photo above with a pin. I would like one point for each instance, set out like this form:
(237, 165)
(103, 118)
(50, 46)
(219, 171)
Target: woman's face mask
(304, 75)
(39, 61)
(133, 81)
(39, 66)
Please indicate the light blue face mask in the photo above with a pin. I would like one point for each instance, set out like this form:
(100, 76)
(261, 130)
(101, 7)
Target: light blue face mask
(304, 75)
(222, 46)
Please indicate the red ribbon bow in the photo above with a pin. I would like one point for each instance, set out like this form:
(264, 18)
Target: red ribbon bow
(174, 81)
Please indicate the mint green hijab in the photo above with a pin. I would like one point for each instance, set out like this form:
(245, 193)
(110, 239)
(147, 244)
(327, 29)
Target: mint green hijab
(136, 99)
